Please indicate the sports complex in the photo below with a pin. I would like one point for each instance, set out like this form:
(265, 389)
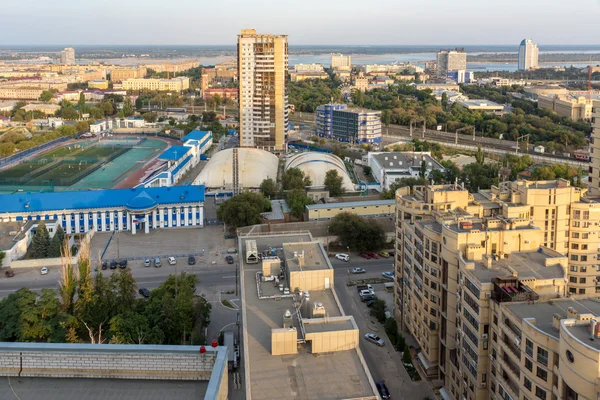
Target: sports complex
(91, 164)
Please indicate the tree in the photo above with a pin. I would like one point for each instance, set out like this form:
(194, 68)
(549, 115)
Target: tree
(423, 169)
(134, 328)
(367, 170)
(390, 193)
(445, 100)
(2, 257)
(357, 233)
(82, 126)
(56, 242)
(127, 107)
(334, 183)
(243, 210)
(294, 178)
(40, 244)
(81, 102)
(451, 173)
(297, 201)
(46, 96)
(69, 113)
(125, 289)
(268, 188)
(480, 155)
(150, 117)
(107, 108)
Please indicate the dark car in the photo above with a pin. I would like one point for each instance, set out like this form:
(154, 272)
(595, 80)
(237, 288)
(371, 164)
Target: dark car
(191, 260)
(123, 263)
(373, 255)
(9, 274)
(144, 292)
(383, 390)
(229, 259)
(367, 297)
(104, 265)
(365, 255)
(113, 264)
(369, 303)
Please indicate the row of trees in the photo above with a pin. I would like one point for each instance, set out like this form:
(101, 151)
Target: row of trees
(44, 247)
(96, 309)
(9, 146)
(357, 233)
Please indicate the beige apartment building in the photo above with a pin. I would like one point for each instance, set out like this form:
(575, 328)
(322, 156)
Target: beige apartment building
(466, 264)
(161, 85)
(18, 93)
(263, 98)
(576, 107)
(594, 168)
(340, 61)
(121, 74)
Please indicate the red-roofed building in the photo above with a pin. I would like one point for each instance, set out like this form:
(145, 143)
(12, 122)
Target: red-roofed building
(224, 93)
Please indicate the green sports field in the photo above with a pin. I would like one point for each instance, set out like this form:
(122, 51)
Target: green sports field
(83, 165)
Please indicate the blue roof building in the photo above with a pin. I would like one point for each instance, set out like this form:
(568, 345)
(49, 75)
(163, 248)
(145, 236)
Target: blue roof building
(197, 135)
(110, 209)
(174, 153)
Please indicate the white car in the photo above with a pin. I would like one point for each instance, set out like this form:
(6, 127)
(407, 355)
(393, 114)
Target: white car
(373, 338)
(44, 270)
(343, 257)
(172, 261)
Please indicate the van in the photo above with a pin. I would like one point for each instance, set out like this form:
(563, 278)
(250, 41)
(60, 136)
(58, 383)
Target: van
(343, 257)
(157, 262)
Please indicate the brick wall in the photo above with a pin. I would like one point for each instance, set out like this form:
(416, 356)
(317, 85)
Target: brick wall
(106, 361)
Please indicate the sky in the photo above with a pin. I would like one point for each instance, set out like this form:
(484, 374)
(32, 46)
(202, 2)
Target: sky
(306, 22)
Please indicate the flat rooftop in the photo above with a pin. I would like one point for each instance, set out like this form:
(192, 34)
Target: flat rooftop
(480, 226)
(304, 256)
(7, 237)
(530, 264)
(430, 225)
(100, 389)
(328, 325)
(367, 203)
(338, 375)
(543, 313)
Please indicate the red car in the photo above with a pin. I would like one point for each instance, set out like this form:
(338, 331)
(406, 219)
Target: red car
(373, 255)
(366, 255)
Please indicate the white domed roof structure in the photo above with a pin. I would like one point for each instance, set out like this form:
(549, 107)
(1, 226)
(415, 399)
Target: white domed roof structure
(254, 166)
(316, 165)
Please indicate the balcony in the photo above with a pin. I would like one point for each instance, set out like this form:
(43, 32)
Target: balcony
(510, 368)
(511, 332)
(507, 346)
(509, 387)
(512, 290)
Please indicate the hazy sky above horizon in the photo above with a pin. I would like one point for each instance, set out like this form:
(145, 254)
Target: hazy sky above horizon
(384, 22)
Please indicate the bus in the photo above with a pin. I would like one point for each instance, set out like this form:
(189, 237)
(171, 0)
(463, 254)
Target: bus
(251, 252)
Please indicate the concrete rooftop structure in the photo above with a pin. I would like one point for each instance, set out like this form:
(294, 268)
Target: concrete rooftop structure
(304, 372)
(530, 264)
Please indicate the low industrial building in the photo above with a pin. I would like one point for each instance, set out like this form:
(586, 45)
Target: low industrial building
(253, 166)
(315, 165)
(369, 208)
(109, 210)
(481, 105)
(388, 167)
(297, 340)
(224, 93)
(350, 125)
(178, 160)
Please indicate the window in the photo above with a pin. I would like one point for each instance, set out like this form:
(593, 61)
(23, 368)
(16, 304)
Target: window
(574, 257)
(583, 258)
(542, 374)
(581, 291)
(528, 364)
(581, 280)
(573, 279)
(527, 384)
(542, 356)
(529, 347)
(573, 268)
(540, 393)
(583, 268)
(574, 246)
(575, 235)
(572, 290)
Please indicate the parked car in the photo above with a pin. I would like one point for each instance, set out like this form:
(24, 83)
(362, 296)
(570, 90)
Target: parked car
(343, 257)
(367, 296)
(388, 275)
(369, 303)
(44, 270)
(229, 259)
(104, 265)
(191, 260)
(113, 264)
(147, 262)
(368, 287)
(9, 273)
(392, 253)
(383, 390)
(365, 255)
(357, 270)
(123, 264)
(373, 338)
(172, 261)
(384, 254)
(157, 263)
(373, 255)
(144, 292)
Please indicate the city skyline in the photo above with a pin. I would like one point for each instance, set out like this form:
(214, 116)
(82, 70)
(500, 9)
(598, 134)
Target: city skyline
(310, 24)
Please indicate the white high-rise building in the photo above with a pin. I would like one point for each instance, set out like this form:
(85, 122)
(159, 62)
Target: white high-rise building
(451, 60)
(528, 55)
(263, 68)
(341, 61)
(67, 56)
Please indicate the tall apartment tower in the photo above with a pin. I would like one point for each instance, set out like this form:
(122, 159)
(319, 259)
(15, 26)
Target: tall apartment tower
(451, 60)
(263, 68)
(341, 61)
(528, 55)
(67, 56)
(594, 169)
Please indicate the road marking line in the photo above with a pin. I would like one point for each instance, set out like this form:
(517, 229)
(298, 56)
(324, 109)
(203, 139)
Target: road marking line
(231, 276)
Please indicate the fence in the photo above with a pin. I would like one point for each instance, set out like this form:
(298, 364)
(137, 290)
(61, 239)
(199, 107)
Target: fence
(26, 153)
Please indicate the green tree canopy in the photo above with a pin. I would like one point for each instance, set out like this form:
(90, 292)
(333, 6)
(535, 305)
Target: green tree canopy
(297, 201)
(357, 233)
(127, 107)
(46, 96)
(334, 183)
(243, 210)
(56, 243)
(40, 244)
(294, 178)
(390, 193)
(268, 188)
